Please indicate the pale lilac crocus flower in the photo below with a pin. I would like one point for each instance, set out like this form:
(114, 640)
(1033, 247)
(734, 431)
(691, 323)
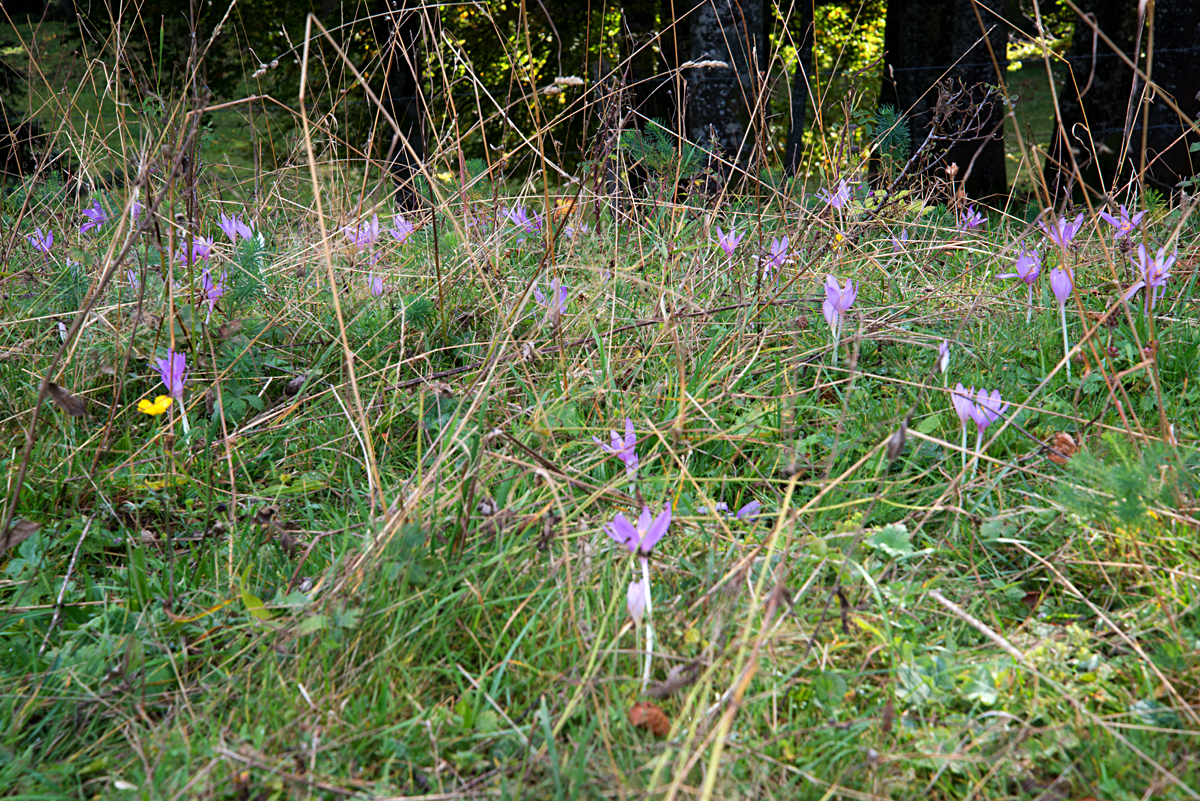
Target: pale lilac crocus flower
(570, 232)
(1061, 284)
(774, 258)
(898, 242)
(403, 229)
(201, 250)
(838, 300)
(557, 302)
(132, 277)
(173, 371)
(213, 290)
(986, 410)
(970, 219)
(1028, 266)
(42, 242)
(839, 198)
(943, 361)
(1061, 232)
(96, 217)
(1124, 224)
(640, 540)
(728, 242)
(519, 216)
(228, 225)
(1155, 272)
(623, 448)
(364, 235)
(964, 407)
(375, 284)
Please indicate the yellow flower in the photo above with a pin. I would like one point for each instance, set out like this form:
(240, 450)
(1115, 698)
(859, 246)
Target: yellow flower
(160, 405)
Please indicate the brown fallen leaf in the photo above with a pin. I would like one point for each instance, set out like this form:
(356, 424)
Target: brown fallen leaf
(645, 715)
(18, 532)
(1064, 447)
(71, 404)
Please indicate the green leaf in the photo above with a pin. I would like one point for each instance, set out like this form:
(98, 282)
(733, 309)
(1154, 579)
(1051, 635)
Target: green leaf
(893, 539)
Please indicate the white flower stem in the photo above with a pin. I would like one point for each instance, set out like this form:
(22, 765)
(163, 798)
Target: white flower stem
(978, 446)
(1029, 304)
(1062, 316)
(964, 446)
(837, 324)
(649, 627)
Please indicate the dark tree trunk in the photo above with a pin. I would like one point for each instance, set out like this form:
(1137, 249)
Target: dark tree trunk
(1176, 52)
(402, 94)
(928, 41)
(649, 39)
(1094, 100)
(721, 99)
(803, 24)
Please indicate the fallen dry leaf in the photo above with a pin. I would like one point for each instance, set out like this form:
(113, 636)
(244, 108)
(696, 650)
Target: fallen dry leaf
(18, 532)
(71, 404)
(1064, 448)
(645, 715)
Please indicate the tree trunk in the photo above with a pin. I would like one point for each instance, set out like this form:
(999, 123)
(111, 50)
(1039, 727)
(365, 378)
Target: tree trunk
(1176, 50)
(800, 86)
(402, 95)
(1094, 100)
(721, 99)
(930, 41)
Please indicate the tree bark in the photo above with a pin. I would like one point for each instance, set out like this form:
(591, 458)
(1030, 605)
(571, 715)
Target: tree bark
(1174, 71)
(1094, 100)
(402, 94)
(721, 99)
(928, 41)
(800, 86)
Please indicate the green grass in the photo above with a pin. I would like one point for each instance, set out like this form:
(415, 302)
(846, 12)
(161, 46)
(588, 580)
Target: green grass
(374, 563)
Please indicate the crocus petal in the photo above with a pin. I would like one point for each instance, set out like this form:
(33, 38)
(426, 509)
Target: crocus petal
(623, 532)
(635, 601)
(655, 531)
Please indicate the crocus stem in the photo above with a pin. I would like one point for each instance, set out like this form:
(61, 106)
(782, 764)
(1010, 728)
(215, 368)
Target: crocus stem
(1029, 303)
(837, 324)
(978, 446)
(1062, 316)
(649, 627)
(964, 447)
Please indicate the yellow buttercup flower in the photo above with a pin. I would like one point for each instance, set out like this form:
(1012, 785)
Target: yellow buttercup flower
(155, 407)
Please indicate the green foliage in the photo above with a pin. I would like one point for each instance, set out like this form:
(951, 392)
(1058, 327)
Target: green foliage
(656, 150)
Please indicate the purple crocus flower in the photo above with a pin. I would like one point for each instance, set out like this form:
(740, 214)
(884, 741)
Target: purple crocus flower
(570, 232)
(1123, 224)
(201, 250)
(774, 258)
(519, 216)
(987, 409)
(728, 242)
(1155, 272)
(642, 538)
(42, 242)
(623, 448)
(943, 357)
(229, 225)
(837, 301)
(402, 230)
(363, 235)
(213, 290)
(970, 219)
(173, 370)
(749, 511)
(132, 277)
(1061, 283)
(1061, 232)
(557, 302)
(898, 242)
(95, 217)
(375, 284)
(839, 198)
(964, 407)
(1028, 266)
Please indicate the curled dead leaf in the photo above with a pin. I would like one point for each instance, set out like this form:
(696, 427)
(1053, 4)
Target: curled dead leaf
(71, 404)
(645, 715)
(18, 532)
(1062, 448)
